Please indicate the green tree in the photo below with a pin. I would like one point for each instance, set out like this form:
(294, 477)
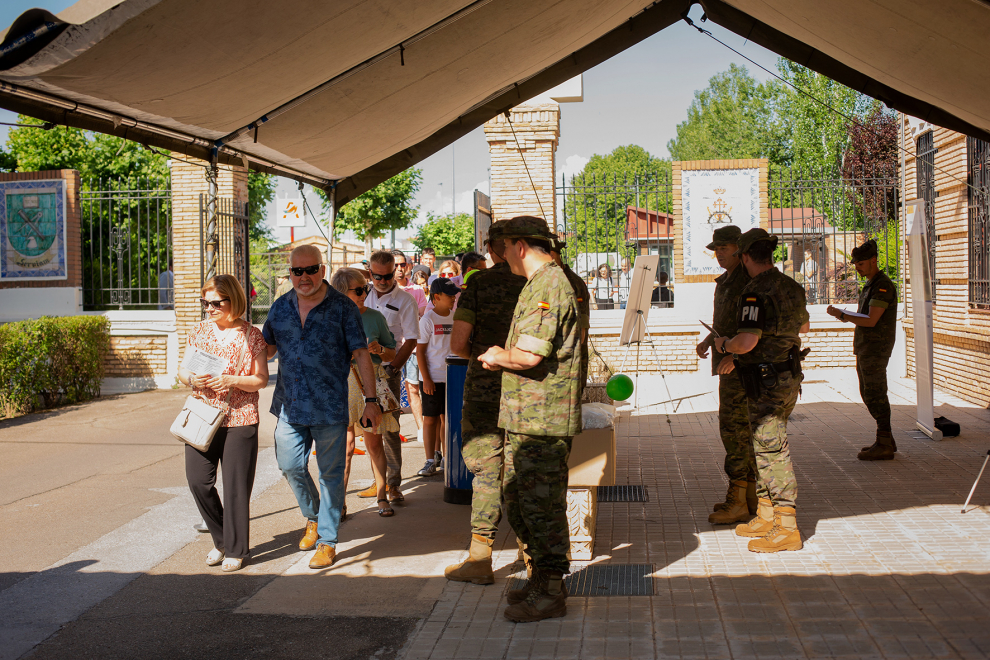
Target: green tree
(387, 206)
(731, 118)
(446, 234)
(596, 199)
(261, 191)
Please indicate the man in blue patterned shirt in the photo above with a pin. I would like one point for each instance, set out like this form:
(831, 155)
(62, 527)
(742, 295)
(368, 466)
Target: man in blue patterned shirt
(316, 331)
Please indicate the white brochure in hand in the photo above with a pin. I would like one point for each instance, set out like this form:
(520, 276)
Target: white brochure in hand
(200, 362)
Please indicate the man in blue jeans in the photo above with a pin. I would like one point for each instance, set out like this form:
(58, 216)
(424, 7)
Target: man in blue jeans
(316, 332)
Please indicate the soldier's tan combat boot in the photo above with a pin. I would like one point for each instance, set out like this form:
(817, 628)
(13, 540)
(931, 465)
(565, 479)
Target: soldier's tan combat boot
(783, 536)
(735, 508)
(477, 568)
(546, 599)
(523, 556)
(761, 524)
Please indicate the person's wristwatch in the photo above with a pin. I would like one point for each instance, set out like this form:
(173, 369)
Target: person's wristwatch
(371, 399)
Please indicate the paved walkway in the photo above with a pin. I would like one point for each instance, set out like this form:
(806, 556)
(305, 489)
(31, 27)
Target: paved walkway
(890, 569)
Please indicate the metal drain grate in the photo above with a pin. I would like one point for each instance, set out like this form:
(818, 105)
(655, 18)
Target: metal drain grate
(623, 494)
(605, 580)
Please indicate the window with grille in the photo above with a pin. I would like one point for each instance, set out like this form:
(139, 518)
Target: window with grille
(926, 190)
(978, 202)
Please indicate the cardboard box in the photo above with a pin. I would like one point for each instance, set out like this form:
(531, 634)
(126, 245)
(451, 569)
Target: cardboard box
(582, 514)
(592, 460)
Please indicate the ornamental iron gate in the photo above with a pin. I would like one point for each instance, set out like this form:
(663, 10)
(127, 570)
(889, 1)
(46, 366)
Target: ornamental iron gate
(978, 203)
(233, 242)
(126, 244)
(820, 216)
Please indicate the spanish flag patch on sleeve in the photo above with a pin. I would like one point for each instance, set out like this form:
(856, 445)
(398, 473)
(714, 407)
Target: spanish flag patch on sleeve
(543, 305)
(750, 299)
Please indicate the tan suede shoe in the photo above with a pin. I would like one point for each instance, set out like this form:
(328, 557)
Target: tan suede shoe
(324, 558)
(310, 537)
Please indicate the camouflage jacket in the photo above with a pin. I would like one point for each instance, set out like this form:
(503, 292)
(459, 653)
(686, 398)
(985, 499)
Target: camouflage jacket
(545, 400)
(772, 306)
(584, 309)
(487, 303)
(725, 318)
(878, 340)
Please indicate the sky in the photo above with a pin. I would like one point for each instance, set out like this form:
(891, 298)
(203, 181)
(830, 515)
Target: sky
(637, 97)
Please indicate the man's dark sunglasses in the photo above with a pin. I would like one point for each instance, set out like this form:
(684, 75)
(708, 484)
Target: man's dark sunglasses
(309, 270)
(383, 277)
(215, 304)
(361, 290)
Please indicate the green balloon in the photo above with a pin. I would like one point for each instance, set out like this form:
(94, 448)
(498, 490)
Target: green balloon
(619, 387)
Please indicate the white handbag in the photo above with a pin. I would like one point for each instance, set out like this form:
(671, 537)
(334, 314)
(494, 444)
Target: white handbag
(198, 421)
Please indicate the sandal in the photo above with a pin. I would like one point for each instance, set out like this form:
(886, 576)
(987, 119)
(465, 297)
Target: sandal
(383, 512)
(215, 557)
(231, 564)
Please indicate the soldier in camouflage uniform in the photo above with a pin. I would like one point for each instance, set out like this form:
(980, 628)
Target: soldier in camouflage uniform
(584, 302)
(540, 412)
(733, 414)
(772, 313)
(873, 343)
(482, 319)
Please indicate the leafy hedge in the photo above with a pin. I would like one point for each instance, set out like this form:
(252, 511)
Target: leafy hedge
(51, 361)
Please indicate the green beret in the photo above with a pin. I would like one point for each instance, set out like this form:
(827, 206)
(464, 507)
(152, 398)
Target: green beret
(728, 235)
(754, 236)
(526, 226)
(866, 251)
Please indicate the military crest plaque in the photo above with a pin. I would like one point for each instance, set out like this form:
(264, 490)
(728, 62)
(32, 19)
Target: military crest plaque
(32, 230)
(712, 199)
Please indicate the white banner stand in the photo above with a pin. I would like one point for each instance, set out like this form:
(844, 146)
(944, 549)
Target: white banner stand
(921, 305)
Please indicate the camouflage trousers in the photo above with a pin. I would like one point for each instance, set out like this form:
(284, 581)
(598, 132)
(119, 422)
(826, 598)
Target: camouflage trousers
(733, 426)
(768, 419)
(535, 493)
(484, 451)
(872, 372)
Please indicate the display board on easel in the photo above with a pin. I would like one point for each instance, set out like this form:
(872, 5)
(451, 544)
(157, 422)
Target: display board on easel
(638, 304)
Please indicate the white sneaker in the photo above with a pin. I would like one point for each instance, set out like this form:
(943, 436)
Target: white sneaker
(428, 470)
(438, 461)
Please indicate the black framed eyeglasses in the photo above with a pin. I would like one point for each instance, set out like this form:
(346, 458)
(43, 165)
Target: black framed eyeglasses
(361, 290)
(215, 304)
(379, 278)
(309, 270)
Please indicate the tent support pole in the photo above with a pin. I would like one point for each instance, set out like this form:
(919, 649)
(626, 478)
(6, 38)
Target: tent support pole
(212, 243)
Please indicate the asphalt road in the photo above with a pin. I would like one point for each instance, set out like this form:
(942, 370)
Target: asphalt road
(99, 558)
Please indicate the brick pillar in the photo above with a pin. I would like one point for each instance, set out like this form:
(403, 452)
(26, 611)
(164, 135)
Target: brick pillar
(188, 182)
(537, 129)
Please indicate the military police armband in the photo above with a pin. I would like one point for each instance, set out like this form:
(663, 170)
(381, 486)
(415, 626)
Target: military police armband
(752, 315)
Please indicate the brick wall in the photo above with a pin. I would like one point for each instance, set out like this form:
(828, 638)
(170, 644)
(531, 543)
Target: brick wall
(537, 131)
(188, 183)
(829, 348)
(675, 349)
(136, 356)
(73, 233)
(961, 341)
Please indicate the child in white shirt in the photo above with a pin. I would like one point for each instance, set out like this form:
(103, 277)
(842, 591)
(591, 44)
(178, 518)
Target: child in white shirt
(431, 356)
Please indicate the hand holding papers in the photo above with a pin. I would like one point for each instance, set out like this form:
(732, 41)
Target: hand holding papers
(202, 363)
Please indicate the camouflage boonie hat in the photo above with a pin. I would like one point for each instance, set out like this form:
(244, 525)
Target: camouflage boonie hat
(728, 235)
(753, 236)
(526, 226)
(495, 230)
(867, 250)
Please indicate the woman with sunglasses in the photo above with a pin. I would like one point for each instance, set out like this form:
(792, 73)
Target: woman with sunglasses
(235, 446)
(381, 345)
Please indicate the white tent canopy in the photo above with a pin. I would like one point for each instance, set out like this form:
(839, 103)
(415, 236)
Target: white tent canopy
(344, 95)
